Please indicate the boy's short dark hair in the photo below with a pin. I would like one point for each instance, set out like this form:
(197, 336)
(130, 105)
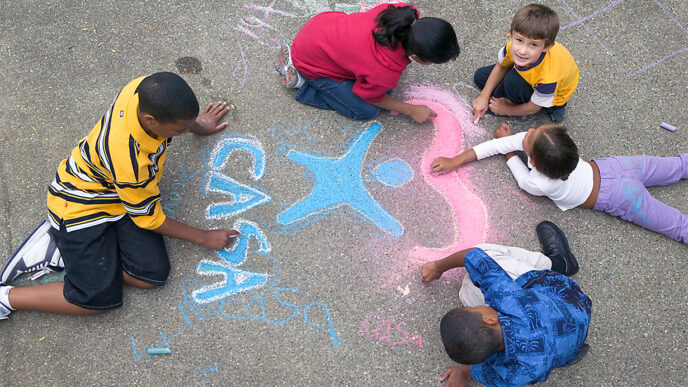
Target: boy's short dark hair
(167, 97)
(466, 338)
(536, 21)
(555, 155)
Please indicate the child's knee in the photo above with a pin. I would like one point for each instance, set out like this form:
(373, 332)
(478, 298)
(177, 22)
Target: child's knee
(367, 113)
(137, 283)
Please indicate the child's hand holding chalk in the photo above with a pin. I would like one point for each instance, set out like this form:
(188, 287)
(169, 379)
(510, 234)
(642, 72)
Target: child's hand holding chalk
(477, 119)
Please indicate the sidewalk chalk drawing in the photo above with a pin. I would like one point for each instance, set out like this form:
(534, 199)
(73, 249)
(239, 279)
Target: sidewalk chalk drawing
(252, 295)
(389, 331)
(361, 5)
(619, 59)
(234, 280)
(469, 212)
(272, 305)
(337, 182)
(257, 23)
(467, 217)
(243, 197)
(340, 186)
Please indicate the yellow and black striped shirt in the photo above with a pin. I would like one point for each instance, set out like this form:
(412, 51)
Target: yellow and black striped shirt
(112, 172)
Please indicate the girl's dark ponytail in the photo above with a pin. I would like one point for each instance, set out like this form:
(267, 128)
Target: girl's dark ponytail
(430, 39)
(394, 26)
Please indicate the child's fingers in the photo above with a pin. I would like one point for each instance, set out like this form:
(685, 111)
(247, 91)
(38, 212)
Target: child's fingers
(221, 112)
(445, 375)
(219, 106)
(207, 108)
(222, 126)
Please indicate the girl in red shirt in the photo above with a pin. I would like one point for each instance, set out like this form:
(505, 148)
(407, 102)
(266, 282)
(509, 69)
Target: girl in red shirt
(350, 62)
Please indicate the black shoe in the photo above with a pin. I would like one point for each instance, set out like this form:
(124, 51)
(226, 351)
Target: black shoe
(556, 247)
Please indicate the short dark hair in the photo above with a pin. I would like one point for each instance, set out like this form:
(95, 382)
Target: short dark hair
(431, 39)
(555, 155)
(167, 97)
(466, 338)
(536, 21)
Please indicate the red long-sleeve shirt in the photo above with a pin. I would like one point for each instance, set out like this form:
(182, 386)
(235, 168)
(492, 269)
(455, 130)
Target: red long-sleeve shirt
(340, 46)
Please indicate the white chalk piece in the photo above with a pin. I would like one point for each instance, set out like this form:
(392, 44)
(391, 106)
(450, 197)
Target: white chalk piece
(159, 351)
(668, 127)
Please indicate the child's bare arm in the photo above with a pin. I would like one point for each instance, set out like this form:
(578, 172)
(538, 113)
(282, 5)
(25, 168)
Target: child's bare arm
(212, 239)
(433, 270)
(503, 107)
(442, 165)
(419, 113)
(482, 102)
(206, 123)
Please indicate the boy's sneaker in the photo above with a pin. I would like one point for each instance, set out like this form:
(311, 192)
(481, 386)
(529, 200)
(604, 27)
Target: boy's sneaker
(290, 76)
(556, 248)
(5, 308)
(38, 253)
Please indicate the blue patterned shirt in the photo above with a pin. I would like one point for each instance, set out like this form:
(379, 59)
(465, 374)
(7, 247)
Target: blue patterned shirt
(544, 317)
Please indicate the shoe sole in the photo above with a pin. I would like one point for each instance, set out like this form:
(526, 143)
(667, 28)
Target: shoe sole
(290, 76)
(569, 259)
(18, 254)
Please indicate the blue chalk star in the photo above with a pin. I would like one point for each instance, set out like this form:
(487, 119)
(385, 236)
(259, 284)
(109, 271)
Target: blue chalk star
(338, 182)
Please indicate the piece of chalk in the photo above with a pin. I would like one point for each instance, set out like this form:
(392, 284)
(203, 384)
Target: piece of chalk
(668, 127)
(159, 351)
(475, 122)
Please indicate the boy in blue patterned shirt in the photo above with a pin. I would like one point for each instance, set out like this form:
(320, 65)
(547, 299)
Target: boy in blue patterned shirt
(529, 325)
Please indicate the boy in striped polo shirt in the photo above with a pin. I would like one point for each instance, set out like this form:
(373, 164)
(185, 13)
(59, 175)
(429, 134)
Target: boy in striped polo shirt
(533, 72)
(104, 205)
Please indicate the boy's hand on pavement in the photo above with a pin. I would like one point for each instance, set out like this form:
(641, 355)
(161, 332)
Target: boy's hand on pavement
(429, 272)
(457, 376)
(480, 106)
(206, 123)
(503, 130)
(218, 239)
(422, 113)
(442, 165)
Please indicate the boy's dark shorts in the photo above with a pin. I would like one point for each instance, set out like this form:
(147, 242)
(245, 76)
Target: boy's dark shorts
(94, 258)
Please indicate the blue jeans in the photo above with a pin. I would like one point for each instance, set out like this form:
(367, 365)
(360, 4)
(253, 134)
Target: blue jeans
(514, 88)
(327, 94)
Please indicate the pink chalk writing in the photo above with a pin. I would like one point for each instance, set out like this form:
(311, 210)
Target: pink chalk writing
(389, 331)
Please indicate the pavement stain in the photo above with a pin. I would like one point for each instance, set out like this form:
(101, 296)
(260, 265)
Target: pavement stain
(189, 65)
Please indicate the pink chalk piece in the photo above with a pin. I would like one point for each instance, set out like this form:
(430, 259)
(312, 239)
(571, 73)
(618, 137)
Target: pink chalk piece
(477, 119)
(668, 127)
(469, 213)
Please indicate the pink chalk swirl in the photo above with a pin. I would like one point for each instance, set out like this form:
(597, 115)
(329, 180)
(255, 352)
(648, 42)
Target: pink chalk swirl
(469, 217)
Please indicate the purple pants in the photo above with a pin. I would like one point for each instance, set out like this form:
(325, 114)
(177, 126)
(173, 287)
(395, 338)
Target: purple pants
(623, 192)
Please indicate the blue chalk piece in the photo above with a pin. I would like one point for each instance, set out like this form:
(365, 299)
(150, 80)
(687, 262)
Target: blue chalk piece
(159, 351)
(668, 127)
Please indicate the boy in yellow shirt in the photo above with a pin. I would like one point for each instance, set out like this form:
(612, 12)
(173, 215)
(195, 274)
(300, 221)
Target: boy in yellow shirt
(106, 219)
(533, 72)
